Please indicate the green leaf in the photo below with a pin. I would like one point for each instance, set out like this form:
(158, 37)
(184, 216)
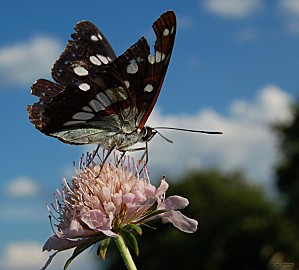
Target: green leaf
(131, 242)
(133, 227)
(102, 250)
(80, 248)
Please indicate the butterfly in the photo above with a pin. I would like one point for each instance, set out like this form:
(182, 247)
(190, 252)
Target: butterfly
(99, 98)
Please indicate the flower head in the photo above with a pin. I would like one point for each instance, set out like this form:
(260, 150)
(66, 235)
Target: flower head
(103, 200)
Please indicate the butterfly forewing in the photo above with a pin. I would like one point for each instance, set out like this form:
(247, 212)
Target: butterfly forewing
(99, 98)
(83, 57)
(144, 73)
(165, 30)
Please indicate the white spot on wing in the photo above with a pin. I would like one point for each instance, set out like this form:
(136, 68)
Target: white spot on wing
(70, 123)
(151, 59)
(127, 83)
(94, 38)
(103, 58)
(166, 32)
(149, 88)
(93, 59)
(82, 116)
(100, 37)
(84, 86)
(103, 99)
(159, 56)
(96, 105)
(87, 109)
(80, 71)
(172, 30)
(132, 68)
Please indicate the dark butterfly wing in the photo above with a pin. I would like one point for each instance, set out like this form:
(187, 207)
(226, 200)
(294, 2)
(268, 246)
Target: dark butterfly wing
(144, 72)
(99, 98)
(165, 30)
(88, 52)
(86, 96)
(73, 115)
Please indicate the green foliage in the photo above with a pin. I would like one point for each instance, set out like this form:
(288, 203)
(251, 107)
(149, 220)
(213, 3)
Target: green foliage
(103, 247)
(131, 242)
(287, 170)
(80, 248)
(239, 228)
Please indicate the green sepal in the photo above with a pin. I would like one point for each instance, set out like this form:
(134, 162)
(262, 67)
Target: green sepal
(80, 248)
(151, 214)
(102, 250)
(131, 241)
(133, 227)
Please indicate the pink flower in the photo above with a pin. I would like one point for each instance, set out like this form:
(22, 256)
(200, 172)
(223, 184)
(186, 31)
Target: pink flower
(103, 200)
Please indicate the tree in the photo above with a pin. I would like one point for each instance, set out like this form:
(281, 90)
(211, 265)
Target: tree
(287, 171)
(239, 228)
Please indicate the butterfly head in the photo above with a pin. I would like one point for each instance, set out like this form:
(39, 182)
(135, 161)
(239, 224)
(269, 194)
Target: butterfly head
(147, 134)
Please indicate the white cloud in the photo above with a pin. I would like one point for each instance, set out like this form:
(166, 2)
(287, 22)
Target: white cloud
(28, 255)
(22, 187)
(233, 8)
(185, 22)
(24, 255)
(25, 62)
(293, 26)
(290, 6)
(248, 143)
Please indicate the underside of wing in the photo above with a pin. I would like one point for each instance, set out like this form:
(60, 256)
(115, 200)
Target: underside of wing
(80, 117)
(98, 98)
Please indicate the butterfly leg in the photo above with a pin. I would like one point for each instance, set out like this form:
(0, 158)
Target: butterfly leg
(106, 157)
(95, 152)
(145, 154)
(122, 155)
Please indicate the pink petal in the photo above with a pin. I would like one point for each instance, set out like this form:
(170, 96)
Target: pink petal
(128, 198)
(109, 207)
(139, 196)
(175, 202)
(55, 243)
(117, 199)
(74, 230)
(150, 191)
(93, 218)
(105, 194)
(180, 221)
(98, 221)
(162, 188)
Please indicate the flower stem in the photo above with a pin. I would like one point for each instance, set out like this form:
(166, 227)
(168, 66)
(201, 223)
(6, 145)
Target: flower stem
(125, 253)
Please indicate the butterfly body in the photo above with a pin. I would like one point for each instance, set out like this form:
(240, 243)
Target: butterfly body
(98, 98)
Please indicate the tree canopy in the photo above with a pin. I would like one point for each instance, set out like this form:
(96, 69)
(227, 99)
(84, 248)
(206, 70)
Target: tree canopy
(239, 228)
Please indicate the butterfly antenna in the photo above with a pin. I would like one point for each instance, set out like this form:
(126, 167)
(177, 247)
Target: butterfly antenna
(188, 130)
(166, 139)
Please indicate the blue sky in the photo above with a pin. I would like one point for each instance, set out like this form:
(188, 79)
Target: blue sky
(235, 68)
